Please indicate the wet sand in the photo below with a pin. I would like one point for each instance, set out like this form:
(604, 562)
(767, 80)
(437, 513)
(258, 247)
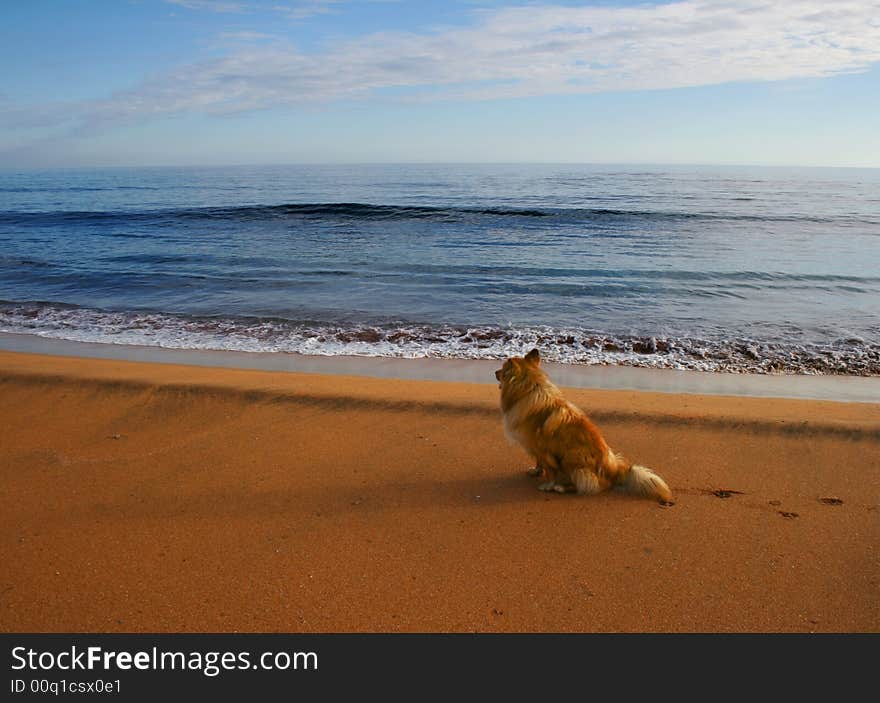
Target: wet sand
(160, 497)
(859, 389)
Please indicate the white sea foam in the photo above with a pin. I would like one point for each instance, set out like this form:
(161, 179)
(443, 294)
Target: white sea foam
(574, 346)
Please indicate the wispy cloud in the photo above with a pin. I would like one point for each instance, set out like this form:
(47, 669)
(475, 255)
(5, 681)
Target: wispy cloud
(518, 52)
(246, 36)
(212, 5)
(308, 8)
(294, 10)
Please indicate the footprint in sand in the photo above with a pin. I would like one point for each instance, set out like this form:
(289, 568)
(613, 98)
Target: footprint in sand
(831, 501)
(787, 515)
(725, 493)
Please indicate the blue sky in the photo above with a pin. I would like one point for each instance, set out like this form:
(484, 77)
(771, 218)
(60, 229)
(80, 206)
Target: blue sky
(151, 82)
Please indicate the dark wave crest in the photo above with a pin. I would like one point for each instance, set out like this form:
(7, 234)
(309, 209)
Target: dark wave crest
(370, 212)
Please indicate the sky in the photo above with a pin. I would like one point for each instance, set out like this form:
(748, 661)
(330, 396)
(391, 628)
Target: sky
(213, 82)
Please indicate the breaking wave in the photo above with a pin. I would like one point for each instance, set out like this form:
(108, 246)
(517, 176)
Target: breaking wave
(850, 356)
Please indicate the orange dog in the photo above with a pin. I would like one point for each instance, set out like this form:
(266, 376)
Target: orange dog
(569, 451)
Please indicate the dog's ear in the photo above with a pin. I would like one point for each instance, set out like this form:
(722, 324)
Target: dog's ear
(533, 357)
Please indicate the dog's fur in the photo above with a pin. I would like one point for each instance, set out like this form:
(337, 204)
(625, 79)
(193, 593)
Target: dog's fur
(570, 453)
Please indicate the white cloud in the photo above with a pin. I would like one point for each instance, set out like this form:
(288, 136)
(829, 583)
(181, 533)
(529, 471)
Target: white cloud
(525, 51)
(245, 36)
(298, 10)
(307, 8)
(212, 5)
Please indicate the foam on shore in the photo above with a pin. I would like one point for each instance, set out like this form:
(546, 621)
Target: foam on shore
(838, 388)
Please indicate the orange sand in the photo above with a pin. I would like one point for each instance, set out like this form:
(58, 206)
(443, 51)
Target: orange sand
(150, 497)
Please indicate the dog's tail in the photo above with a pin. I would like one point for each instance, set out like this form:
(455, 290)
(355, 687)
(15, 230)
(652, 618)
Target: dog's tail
(640, 480)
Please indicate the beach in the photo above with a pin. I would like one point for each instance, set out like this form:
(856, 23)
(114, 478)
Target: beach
(152, 497)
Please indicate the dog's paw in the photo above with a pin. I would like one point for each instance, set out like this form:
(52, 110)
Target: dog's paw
(548, 486)
(534, 471)
(559, 488)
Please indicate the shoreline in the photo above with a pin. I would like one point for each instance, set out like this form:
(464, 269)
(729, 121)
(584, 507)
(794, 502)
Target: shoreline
(858, 389)
(144, 497)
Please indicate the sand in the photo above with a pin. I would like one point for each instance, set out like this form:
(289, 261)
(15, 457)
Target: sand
(143, 497)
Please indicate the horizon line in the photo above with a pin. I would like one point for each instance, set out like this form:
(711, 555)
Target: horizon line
(244, 164)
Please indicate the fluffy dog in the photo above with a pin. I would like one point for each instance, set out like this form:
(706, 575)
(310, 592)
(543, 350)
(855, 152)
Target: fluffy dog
(570, 453)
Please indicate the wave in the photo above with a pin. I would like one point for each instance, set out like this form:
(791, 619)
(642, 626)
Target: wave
(369, 212)
(845, 356)
(118, 270)
(74, 189)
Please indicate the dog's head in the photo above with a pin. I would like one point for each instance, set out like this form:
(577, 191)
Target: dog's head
(517, 370)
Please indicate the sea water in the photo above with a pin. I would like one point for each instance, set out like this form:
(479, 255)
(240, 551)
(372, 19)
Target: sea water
(710, 268)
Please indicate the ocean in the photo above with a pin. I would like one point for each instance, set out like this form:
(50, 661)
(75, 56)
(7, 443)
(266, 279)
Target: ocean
(744, 269)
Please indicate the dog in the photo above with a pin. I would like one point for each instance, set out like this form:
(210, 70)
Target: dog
(569, 451)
